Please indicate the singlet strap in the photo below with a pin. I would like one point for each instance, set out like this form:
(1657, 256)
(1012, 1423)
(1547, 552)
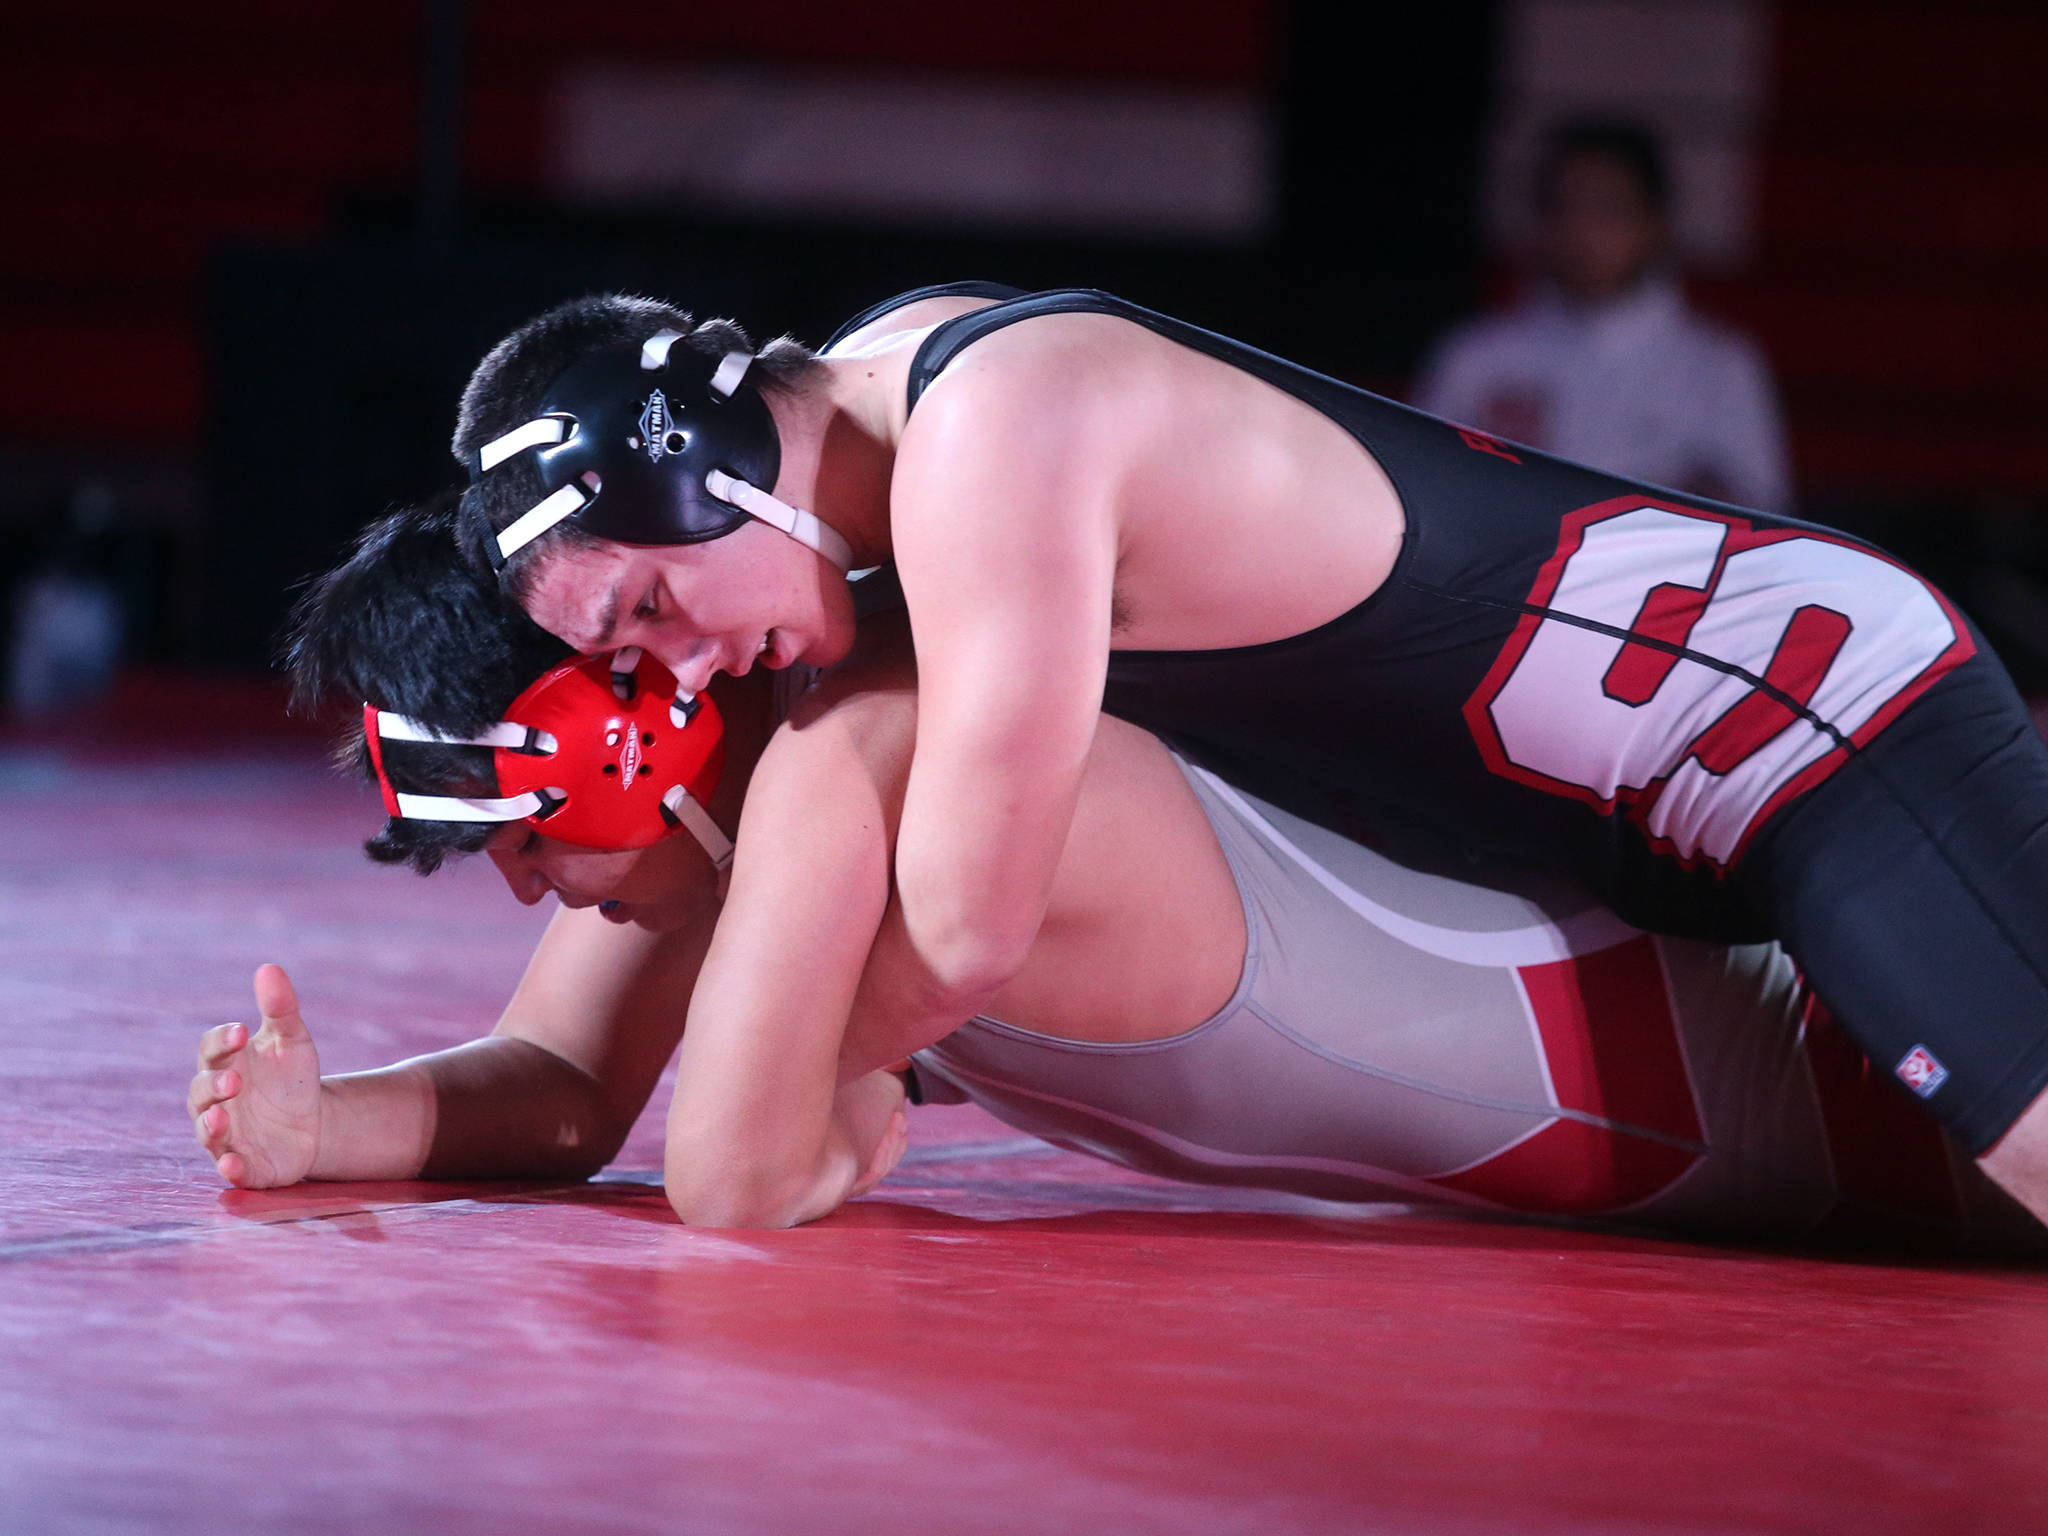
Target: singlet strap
(950, 338)
(970, 288)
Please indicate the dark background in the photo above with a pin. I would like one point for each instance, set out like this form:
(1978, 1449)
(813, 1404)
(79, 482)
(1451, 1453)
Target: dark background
(247, 265)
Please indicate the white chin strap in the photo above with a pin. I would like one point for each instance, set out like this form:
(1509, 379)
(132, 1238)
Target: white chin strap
(805, 527)
(545, 431)
(710, 837)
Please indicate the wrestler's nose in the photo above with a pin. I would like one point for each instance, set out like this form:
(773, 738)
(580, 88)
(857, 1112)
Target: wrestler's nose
(692, 661)
(526, 883)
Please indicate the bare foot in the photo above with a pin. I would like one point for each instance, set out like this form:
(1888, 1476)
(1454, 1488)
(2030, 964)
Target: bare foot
(255, 1101)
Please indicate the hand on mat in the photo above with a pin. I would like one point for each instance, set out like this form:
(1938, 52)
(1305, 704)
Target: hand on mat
(872, 1112)
(255, 1102)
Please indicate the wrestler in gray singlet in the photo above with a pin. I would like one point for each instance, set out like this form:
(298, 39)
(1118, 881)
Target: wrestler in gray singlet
(1399, 1036)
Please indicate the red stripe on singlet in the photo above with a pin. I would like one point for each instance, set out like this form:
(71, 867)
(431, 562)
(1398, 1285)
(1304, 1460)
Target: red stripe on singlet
(1810, 644)
(1612, 1045)
(1668, 615)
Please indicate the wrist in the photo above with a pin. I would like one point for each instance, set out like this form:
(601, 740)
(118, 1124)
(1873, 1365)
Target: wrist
(323, 1120)
(374, 1125)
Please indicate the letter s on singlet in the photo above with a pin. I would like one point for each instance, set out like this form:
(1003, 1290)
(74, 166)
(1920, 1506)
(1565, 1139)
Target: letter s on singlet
(1773, 648)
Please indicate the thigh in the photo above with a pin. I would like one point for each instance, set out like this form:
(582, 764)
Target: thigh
(1912, 888)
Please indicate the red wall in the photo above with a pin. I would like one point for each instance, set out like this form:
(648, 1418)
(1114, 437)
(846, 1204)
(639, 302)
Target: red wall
(141, 135)
(1904, 186)
(1904, 212)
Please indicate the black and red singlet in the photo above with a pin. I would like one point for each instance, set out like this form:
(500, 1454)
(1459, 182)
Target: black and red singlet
(1726, 724)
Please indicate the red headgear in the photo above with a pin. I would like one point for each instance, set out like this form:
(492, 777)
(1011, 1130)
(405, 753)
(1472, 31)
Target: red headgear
(603, 754)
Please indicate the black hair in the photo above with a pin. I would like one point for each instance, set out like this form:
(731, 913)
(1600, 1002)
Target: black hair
(508, 387)
(406, 623)
(1629, 144)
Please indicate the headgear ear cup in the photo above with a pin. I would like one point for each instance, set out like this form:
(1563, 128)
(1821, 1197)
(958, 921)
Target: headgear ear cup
(582, 763)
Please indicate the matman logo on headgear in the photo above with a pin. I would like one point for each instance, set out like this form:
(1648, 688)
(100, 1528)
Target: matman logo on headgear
(629, 760)
(655, 430)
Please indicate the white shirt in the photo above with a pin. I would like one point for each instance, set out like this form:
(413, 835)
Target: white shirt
(1640, 386)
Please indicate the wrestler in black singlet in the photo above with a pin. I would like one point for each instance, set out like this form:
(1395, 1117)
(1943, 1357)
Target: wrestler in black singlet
(1728, 724)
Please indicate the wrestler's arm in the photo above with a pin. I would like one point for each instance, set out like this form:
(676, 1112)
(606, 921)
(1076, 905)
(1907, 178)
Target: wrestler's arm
(760, 1131)
(551, 1093)
(1003, 511)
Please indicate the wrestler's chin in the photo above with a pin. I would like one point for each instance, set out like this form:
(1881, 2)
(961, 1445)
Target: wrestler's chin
(820, 651)
(828, 644)
(658, 918)
(665, 916)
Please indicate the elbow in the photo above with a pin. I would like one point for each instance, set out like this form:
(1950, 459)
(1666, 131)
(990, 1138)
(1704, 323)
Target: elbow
(587, 1162)
(968, 936)
(732, 1213)
(585, 1143)
(967, 967)
(759, 1200)
(608, 1142)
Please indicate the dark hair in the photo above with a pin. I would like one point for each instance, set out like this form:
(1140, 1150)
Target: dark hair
(508, 387)
(1628, 144)
(406, 623)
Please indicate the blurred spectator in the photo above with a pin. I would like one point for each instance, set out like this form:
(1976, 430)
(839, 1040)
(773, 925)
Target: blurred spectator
(1604, 361)
(68, 624)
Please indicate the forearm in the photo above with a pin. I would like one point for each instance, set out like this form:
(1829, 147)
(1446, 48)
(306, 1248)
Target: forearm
(860, 1144)
(977, 849)
(900, 1006)
(973, 873)
(761, 1193)
(499, 1107)
(751, 1138)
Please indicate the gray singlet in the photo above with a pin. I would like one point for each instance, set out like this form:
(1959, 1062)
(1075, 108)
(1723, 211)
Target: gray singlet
(1399, 1036)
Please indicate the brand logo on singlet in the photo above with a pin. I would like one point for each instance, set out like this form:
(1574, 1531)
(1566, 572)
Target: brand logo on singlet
(629, 760)
(1919, 1071)
(654, 425)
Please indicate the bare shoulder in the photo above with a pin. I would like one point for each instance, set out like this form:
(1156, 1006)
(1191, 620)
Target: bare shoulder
(1047, 364)
(1049, 397)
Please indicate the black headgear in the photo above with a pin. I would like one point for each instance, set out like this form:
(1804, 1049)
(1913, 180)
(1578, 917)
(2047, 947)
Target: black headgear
(650, 444)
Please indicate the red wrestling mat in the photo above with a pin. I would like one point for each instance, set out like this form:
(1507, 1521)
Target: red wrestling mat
(1004, 1339)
